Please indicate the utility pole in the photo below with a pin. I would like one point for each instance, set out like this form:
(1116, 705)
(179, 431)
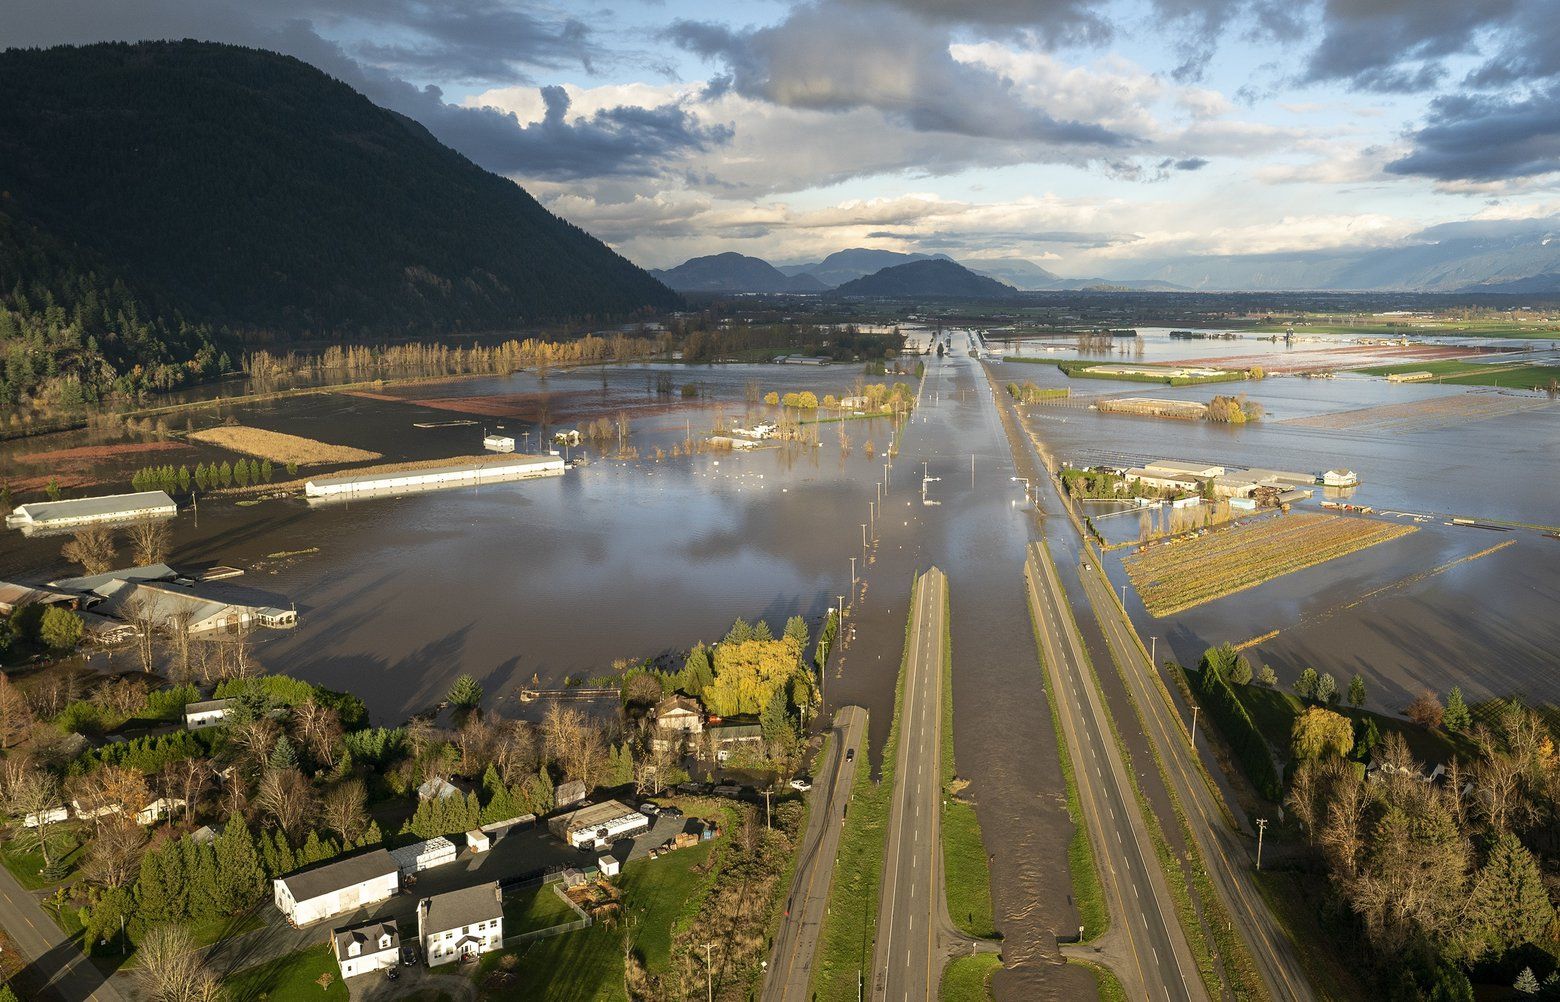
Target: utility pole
(767, 822)
(863, 536)
(1194, 726)
(709, 975)
(872, 517)
(853, 579)
(972, 469)
(1261, 829)
(1153, 652)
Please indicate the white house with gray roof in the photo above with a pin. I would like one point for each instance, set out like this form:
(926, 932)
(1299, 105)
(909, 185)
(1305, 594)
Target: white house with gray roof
(461, 924)
(366, 948)
(337, 888)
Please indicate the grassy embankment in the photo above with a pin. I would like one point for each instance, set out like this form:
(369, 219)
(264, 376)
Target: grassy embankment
(845, 943)
(1085, 369)
(1088, 893)
(968, 978)
(966, 874)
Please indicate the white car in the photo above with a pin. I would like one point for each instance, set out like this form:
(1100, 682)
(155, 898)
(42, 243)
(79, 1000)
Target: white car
(801, 783)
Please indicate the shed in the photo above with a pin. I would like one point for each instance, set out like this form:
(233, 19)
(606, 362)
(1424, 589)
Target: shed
(610, 867)
(477, 840)
(437, 787)
(420, 856)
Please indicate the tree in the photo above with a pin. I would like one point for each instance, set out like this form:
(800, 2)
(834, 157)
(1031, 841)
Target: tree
(282, 754)
(168, 967)
(465, 693)
(1426, 710)
(35, 795)
(1305, 685)
(1240, 672)
(1326, 687)
(1357, 691)
(61, 628)
(344, 810)
(16, 716)
(93, 548)
(1267, 676)
(1509, 905)
(1318, 733)
(697, 672)
(1526, 983)
(775, 719)
(287, 796)
(1457, 718)
(149, 541)
(740, 633)
(319, 728)
(642, 688)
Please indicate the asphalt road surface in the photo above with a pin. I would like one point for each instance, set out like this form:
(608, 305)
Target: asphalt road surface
(1155, 961)
(53, 960)
(915, 936)
(791, 959)
(1225, 852)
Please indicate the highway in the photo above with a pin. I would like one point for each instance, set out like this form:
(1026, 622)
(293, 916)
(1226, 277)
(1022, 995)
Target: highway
(915, 935)
(55, 964)
(791, 958)
(1224, 851)
(1146, 944)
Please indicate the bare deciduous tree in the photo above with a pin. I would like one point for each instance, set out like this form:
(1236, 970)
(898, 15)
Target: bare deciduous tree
(143, 613)
(92, 548)
(149, 542)
(515, 752)
(186, 779)
(344, 811)
(575, 742)
(169, 969)
(319, 731)
(34, 795)
(16, 716)
(122, 696)
(114, 857)
(287, 796)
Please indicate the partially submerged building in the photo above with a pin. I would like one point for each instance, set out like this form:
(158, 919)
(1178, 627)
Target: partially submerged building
(15, 596)
(158, 593)
(77, 512)
(461, 472)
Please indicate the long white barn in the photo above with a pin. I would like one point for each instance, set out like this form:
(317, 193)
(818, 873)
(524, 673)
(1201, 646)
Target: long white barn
(82, 511)
(459, 473)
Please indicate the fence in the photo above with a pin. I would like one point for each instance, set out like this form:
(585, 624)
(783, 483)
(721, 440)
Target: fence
(583, 922)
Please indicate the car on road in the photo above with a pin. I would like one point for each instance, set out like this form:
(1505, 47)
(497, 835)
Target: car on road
(802, 783)
(850, 754)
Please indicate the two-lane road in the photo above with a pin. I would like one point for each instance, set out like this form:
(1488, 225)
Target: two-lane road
(915, 935)
(791, 959)
(1153, 958)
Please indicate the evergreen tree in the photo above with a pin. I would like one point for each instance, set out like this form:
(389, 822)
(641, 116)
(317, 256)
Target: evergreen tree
(241, 473)
(184, 479)
(225, 474)
(205, 893)
(465, 693)
(283, 756)
(540, 792)
(158, 896)
(1305, 685)
(775, 720)
(697, 672)
(282, 851)
(371, 836)
(1326, 687)
(1526, 983)
(292, 469)
(200, 476)
(1267, 676)
(313, 850)
(1457, 718)
(241, 877)
(265, 471)
(797, 632)
(761, 631)
(1357, 691)
(740, 633)
(1510, 905)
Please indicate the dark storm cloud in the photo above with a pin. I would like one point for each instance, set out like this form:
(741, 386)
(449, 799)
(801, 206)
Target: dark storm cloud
(1188, 164)
(1472, 137)
(464, 39)
(1399, 45)
(836, 56)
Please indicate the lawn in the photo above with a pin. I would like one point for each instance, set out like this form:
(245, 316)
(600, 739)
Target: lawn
(1174, 576)
(968, 978)
(293, 978)
(966, 873)
(1441, 367)
(576, 967)
(26, 866)
(658, 893)
(1274, 712)
(1490, 372)
(535, 908)
(1107, 984)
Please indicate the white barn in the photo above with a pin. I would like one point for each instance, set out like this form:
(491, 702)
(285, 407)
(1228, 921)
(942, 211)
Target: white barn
(337, 888)
(207, 713)
(82, 511)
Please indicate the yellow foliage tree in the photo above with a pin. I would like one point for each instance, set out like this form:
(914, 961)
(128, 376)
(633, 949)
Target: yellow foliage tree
(1318, 732)
(747, 673)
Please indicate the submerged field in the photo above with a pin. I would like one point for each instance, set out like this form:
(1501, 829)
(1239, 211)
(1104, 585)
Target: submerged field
(1173, 577)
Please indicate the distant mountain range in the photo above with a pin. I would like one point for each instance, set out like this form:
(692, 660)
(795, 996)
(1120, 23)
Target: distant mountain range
(929, 278)
(735, 273)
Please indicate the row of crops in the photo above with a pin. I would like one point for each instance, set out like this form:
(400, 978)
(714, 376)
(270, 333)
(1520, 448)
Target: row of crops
(1175, 576)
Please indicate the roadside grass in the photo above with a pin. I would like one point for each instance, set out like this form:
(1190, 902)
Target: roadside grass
(845, 942)
(535, 908)
(1088, 893)
(293, 978)
(966, 872)
(27, 867)
(1107, 985)
(660, 893)
(968, 978)
(1293, 899)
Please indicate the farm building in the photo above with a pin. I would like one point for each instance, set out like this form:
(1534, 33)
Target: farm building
(1161, 480)
(437, 788)
(420, 856)
(1172, 466)
(1340, 478)
(337, 888)
(1189, 410)
(462, 472)
(15, 596)
(1410, 377)
(598, 825)
(679, 713)
(207, 713)
(84, 511)
(568, 793)
(366, 948)
(498, 443)
(803, 360)
(102, 630)
(171, 605)
(728, 738)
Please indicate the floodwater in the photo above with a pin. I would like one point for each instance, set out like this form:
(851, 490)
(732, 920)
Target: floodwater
(1407, 615)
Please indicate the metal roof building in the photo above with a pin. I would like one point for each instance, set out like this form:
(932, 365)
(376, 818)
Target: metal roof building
(81, 511)
(464, 471)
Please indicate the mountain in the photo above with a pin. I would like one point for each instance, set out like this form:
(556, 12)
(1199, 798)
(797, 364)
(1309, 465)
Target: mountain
(856, 262)
(732, 272)
(927, 278)
(1015, 271)
(213, 194)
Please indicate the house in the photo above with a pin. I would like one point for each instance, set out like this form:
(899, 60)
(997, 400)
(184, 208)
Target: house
(599, 825)
(366, 948)
(461, 924)
(728, 738)
(337, 888)
(82, 511)
(52, 816)
(1163, 480)
(679, 713)
(207, 713)
(1340, 478)
(420, 856)
(437, 788)
(498, 443)
(158, 810)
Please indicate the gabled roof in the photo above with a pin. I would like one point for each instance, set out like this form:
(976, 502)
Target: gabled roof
(342, 873)
(457, 909)
(672, 703)
(366, 936)
(207, 705)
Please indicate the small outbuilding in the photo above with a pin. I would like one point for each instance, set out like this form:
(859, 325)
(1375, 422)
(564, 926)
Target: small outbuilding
(477, 840)
(207, 713)
(420, 856)
(609, 866)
